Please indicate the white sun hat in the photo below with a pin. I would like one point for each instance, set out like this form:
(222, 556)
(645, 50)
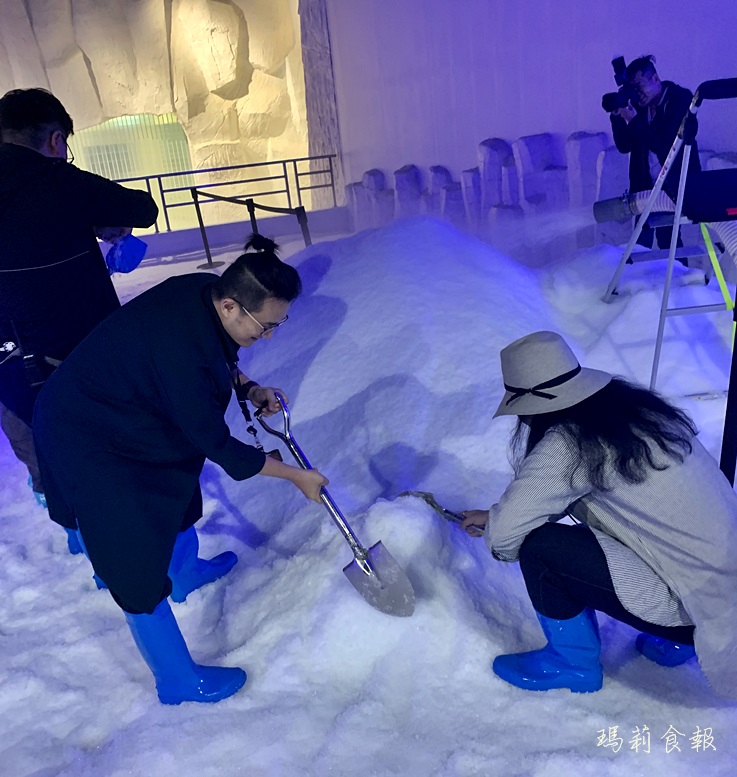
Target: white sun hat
(541, 374)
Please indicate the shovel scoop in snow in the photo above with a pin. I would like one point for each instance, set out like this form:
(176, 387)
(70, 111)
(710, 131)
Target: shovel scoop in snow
(443, 512)
(373, 572)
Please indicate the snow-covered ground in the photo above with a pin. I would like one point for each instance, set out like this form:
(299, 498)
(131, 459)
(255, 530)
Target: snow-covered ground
(390, 361)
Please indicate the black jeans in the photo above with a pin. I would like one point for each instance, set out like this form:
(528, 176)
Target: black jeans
(663, 236)
(565, 570)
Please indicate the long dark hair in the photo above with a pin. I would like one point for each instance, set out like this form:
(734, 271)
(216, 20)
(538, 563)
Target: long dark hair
(257, 274)
(619, 427)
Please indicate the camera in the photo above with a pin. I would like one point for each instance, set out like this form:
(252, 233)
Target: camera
(612, 101)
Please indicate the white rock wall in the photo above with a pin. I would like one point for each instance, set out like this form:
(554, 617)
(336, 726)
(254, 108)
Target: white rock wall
(19, 48)
(231, 69)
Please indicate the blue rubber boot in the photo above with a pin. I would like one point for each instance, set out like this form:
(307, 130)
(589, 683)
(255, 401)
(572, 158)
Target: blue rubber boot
(39, 495)
(188, 573)
(178, 678)
(73, 542)
(101, 586)
(569, 660)
(663, 651)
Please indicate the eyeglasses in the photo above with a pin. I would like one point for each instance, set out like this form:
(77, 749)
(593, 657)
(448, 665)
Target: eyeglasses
(69, 155)
(264, 327)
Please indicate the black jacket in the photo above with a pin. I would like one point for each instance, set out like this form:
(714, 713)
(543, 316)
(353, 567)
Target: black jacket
(640, 137)
(54, 285)
(124, 425)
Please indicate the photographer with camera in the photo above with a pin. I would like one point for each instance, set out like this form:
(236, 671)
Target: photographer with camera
(645, 114)
(54, 284)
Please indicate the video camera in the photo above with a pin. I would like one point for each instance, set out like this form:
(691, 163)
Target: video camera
(612, 101)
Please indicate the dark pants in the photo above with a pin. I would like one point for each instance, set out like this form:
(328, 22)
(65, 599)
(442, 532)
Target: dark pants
(20, 437)
(663, 236)
(20, 383)
(192, 514)
(565, 570)
(18, 394)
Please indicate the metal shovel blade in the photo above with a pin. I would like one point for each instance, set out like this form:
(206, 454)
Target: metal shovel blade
(387, 587)
(373, 572)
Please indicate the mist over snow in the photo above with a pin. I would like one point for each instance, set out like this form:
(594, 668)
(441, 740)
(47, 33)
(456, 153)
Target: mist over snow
(390, 361)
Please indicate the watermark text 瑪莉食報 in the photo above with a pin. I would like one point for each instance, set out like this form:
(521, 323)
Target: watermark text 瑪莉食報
(702, 739)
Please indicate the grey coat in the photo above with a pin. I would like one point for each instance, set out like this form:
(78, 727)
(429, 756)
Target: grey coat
(670, 542)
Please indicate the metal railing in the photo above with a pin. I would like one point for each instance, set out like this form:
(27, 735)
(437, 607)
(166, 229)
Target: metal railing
(252, 206)
(299, 212)
(288, 183)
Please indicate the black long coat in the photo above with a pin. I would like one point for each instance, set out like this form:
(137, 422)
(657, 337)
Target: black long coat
(124, 425)
(54, 285)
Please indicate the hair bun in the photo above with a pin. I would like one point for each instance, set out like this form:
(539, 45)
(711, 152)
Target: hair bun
(262, 244)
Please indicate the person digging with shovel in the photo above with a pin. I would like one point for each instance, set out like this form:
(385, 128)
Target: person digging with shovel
(123, 428)
(656, 546)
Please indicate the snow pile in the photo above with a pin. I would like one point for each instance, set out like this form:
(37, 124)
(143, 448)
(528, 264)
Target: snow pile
(390, 361)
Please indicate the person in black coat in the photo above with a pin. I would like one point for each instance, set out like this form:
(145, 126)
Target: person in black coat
(646, 132)
(54, 285)
(123, 428)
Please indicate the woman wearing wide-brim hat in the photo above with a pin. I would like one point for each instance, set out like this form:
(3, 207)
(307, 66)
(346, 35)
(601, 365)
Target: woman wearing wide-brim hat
(656, 546)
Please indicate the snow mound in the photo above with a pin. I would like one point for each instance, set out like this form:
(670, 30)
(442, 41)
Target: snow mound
(391, 356)
(390, 360)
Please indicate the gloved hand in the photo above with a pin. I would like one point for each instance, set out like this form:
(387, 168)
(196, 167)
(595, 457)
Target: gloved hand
(125, 254)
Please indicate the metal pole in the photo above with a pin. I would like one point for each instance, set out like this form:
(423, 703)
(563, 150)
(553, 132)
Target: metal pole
(296, 181)
(332, 180)
(728, 459)
(162, 193)
(251, 205)
(671, 260)
(301, 215)
(209, 264)
(150, 194)
(677, 143)
(286, 184)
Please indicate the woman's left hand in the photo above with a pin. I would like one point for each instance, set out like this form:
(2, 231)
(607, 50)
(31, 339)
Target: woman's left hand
(474, 518)
(265, 397)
